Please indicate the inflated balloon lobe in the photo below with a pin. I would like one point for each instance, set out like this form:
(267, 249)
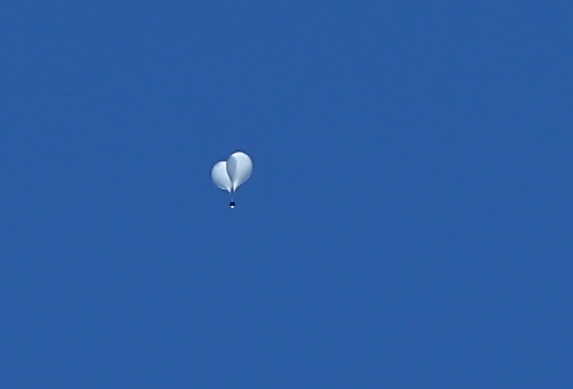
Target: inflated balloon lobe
(239, 168)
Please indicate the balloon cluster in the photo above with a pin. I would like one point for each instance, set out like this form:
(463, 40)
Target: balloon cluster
(232, 173)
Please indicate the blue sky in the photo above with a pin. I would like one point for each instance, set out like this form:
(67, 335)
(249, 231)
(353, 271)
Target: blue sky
(408, 222)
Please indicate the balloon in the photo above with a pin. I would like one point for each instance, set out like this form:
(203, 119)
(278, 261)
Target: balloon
(220, 177)
(232, 173)
(239, 168)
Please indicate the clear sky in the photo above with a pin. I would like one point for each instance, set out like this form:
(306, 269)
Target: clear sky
(408, 223)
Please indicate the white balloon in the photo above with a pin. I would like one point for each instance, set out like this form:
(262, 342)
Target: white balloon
(229, 175)
(239, 168)
(220, 177)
